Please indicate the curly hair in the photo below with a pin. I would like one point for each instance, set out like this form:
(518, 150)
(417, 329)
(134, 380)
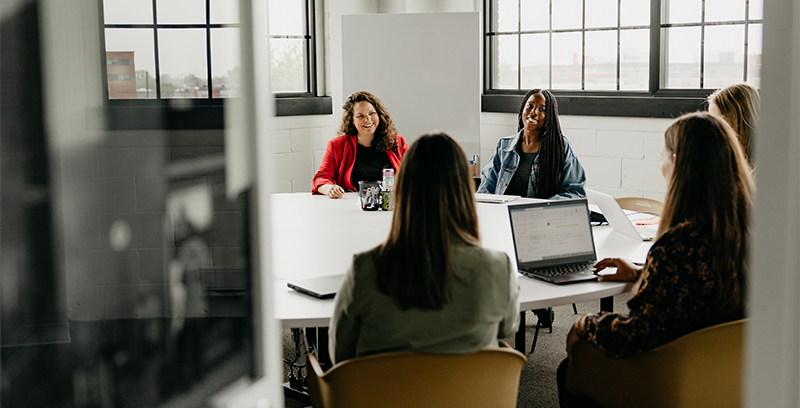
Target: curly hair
(551, 149)
(385, 133)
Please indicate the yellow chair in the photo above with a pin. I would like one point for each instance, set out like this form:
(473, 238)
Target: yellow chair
(641, 204)
(488, 378)
(700, 369)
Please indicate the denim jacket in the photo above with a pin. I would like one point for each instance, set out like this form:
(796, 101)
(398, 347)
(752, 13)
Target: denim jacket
(497, 173)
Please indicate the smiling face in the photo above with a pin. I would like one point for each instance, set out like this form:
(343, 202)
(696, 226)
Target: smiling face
(365, 118)
(533, 116)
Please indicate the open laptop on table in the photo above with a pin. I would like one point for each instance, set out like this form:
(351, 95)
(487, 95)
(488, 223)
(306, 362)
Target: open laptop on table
(321, 287)
(617, 218)
(553, 240)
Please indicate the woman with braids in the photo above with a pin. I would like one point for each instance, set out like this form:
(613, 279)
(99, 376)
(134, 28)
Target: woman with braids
(695, 273)
(367, 143)
(429, 287)
(538, 161)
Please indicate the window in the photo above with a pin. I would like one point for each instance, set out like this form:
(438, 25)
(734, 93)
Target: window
(655, 58)
(163, 50)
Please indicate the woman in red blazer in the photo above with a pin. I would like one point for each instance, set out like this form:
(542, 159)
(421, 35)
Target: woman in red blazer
(367, 144)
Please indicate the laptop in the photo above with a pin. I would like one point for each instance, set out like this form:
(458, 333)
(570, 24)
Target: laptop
(553, 240)
(618, 219)
(494, 198)
(321, 287)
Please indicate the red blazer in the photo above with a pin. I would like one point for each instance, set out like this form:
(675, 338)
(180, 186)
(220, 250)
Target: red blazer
(340, 156)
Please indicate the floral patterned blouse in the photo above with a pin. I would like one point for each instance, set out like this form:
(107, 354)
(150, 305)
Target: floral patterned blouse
(674, 298)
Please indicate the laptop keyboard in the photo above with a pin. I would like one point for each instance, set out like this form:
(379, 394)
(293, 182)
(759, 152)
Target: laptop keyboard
(558, 270)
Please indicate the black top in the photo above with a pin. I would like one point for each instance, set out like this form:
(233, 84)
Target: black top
(369, 165)
(519, 182)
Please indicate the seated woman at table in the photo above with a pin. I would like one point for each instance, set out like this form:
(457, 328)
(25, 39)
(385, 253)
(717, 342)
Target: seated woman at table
(695, 273)
(430, 287)
(367, 143)
(537, 161)
(738, 105)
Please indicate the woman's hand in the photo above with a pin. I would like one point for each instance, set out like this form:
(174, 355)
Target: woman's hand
(626, 271)
(332, 190)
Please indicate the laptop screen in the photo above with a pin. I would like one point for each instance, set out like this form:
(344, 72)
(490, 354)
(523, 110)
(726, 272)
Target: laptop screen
(552, 233)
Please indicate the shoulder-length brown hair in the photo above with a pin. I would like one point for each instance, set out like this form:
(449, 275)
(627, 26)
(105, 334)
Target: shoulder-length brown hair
(551, 148)
(434, 204)
(385, 133)
(738, 105)
(712, 186)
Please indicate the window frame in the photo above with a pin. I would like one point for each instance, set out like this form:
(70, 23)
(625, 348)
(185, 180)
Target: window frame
(656, 102)
(208, 113)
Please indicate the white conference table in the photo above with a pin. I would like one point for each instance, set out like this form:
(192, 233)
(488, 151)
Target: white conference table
(313, 235)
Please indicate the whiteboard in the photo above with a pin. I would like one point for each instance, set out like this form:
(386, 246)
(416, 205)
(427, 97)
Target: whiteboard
(425, 67)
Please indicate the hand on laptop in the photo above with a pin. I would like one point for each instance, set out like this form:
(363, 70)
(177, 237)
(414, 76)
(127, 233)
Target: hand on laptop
(626, 271)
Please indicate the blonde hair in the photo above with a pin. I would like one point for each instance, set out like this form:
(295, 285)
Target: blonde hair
(738, 105)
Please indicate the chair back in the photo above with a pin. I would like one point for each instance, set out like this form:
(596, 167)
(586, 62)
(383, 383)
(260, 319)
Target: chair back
(700, 369)
(488, 378)
(641, 204)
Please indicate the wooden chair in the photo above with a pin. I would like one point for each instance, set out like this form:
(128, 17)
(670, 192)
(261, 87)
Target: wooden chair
(641, 204)
(488, 378)
(700, 369)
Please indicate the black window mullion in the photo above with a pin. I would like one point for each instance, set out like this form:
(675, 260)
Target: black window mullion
(702, 43)
(658, 47)
(519, 44)
(619, 42)
(746, 36)
(209, 74)
(311, 83)
(155, 50)
(583, 45)
(550, 34)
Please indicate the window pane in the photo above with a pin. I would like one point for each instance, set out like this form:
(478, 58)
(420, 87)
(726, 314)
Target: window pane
(724, 56)
(505, 62)
(724, 10)
(756, 9)
(138, 42)
(684, 11)
(754, 55)
(286, 17)
(601, 13)
(224, 11)
(225, 62)
(506, 15)
(683, 57)
(567, 60)
(535, 50)
(634, 60)
(182, 56)
(567, 14)
(288, 65)
(634, 12)
(181, 12)
(601, 60)
(128, 11)
(535, 15)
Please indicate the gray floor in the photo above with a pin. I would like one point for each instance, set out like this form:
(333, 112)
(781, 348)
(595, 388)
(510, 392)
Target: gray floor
(537, 386)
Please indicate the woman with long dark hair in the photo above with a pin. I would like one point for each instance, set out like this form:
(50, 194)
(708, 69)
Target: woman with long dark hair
(430, 287)
(696, 272)
(537, 161)
(738, 105)
(367, 143)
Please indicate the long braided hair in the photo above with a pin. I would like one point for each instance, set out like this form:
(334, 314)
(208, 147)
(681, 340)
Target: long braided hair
(550, 174)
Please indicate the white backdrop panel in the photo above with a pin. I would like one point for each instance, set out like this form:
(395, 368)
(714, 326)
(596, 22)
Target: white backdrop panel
(424, 67)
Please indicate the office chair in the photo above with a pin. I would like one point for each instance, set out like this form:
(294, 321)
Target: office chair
(488, 378)
(641, 204)
(700, 369)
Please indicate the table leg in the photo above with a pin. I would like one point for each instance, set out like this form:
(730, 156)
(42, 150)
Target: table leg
(519, 338)
(607, 304)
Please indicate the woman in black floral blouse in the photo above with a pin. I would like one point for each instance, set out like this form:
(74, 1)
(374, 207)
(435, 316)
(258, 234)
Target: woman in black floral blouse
(695, 273)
